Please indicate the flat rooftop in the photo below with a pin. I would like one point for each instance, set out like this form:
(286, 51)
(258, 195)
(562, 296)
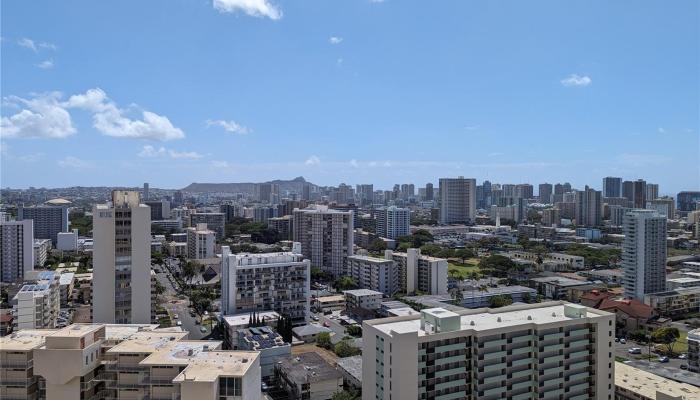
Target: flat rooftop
(77, 330)
(307, 368)
(362, 292)
(648, 384)
(329, 299)
(560, 281)
(180, 352)
(370, 259)
(25, 339)
(209, 365)
(244, 318)
(486, 319)
(146, 342)
(124, 331)
(352, 365)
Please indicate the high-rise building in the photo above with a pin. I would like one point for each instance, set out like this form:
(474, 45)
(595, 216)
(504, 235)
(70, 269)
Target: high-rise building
(283, 225)
(688, 201)
(306, 192)
(326, 237)
(160, 209)
(269, 192)
(545, 193)
(374, 273)
(38, 302)
(643, 253)
(428, 191)
(200, 242)
(145, 192)
(550, 217)
(589, 209)
(365, 194)
(663, 205)
(518, 352)
(639, 197)
(96, 361)
(16, 250)
(178, 198)
(652, 192)
(457, 200)
(266, 282)
(420, 273)
(393, 222)
(524, 191)
(49, 218)
(214, 221)
(122, 260)
(612, 187)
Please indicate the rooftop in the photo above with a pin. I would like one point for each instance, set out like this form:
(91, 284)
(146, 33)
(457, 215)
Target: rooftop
(485, 318)
(647, 384)
(352, 365)
(207, 366)
(25, 339)
(374, 260)
(307, 368)
(147, 342)
(244, 318)
(362, 292)
(179, 352)
(560, 281)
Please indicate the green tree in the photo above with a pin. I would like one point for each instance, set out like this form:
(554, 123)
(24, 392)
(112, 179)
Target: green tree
(345, 283)
(345, 349)
(345, 395)
(430, 249)
(354, 330)
(463, 254)
(457, 296)
(378, 245)
(498, 266)
(526, 298)
(667, 336)
(323, 340)
(500, 301)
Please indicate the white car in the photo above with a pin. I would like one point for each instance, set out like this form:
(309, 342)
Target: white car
(179, 323)
(623, 340)
(635, 350)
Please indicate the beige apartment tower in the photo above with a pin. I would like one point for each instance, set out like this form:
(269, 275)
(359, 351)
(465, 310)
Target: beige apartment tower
(122, 260)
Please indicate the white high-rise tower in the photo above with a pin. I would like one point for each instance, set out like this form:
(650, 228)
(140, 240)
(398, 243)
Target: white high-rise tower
(643, 253)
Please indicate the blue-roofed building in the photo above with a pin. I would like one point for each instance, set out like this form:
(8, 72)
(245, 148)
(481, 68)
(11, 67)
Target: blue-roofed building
(270, 345)
(38, 302)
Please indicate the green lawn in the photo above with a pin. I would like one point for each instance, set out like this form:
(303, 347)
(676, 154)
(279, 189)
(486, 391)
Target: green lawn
(681, 345)
(462, 270)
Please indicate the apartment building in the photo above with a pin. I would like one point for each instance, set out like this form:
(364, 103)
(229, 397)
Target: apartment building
(675, 302)
(636, 384)
(266, 282)
(160, 209)
(49, 218)
(589, 208)
(326, 237)
(378, 274)
(419, 272)
(16, 250)
(200, 242)
(694, 350)
(67, 241)
(393, 222)
(37, 304)
(283, 225)
(363, 298)
(644, 253)
(96, 362)
(457, 200)
(552, 350)
(122, 260)
(214, 221)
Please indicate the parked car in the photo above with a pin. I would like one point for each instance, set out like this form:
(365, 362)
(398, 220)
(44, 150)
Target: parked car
(623, 340)
(635, 350)
(683, 366)
(617, 339)
(179, 323)
(175, 316)
(315, 318)
(683, 356)
(326, 324)
(663, 359)
(203, 330)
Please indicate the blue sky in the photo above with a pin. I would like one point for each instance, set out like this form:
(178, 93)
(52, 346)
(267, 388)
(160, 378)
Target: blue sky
(173, 92)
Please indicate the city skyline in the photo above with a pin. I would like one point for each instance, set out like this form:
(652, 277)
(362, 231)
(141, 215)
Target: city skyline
(487, 92)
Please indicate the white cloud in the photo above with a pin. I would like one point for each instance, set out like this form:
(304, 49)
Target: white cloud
(662, 130)
(312, 161)
(73, 162)
(28, 43)
(184, 154)
(471, 127)
(229, 126)
(47, 64)
(110, 120)
(254, 8)
(335, 40)
(495, 154)
(34, 46)
(354, 163)
(339, 62)
(42, 117)
(149, 151)
(219, 164)
(576, 80)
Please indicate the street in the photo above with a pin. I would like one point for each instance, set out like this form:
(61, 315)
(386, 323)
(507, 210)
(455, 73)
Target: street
(334, 325)
(178, 306)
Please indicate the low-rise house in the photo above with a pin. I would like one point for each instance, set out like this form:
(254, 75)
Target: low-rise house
(675, 303)
(308, 376)
(326, 304)
(269, 343)
(363, 298)
(632, 315)
(309, 333)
